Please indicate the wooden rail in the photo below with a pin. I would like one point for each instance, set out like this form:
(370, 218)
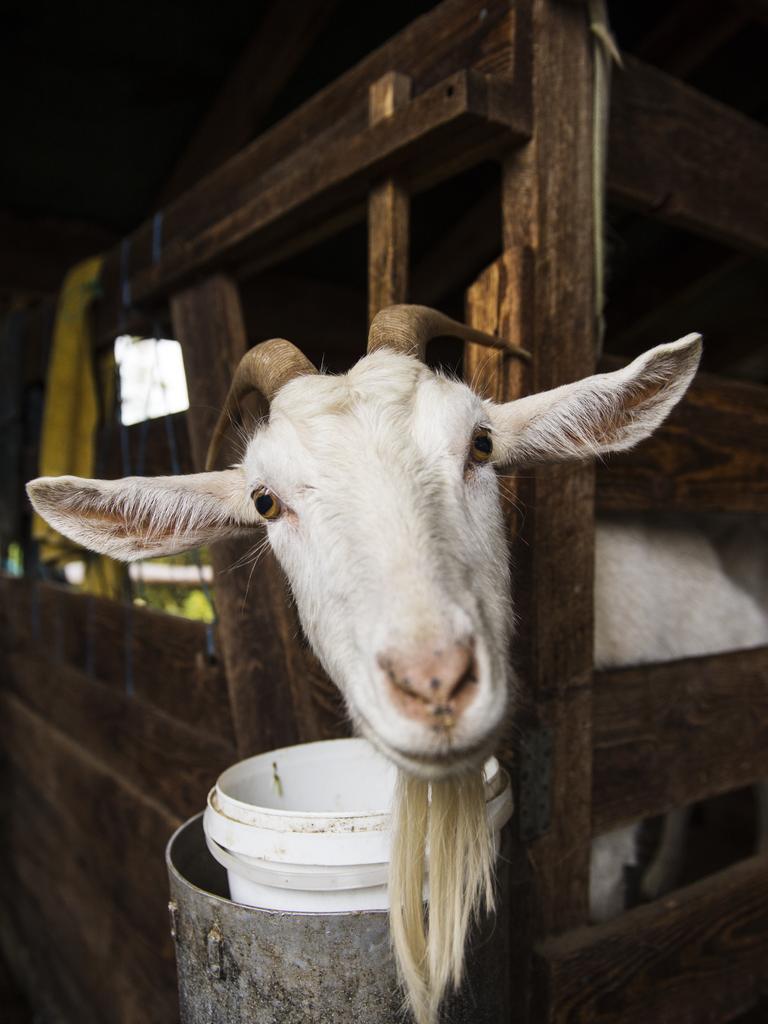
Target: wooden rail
(680, 156)
(165, 656)
(711, 455)
(667, 735)
(698, 956)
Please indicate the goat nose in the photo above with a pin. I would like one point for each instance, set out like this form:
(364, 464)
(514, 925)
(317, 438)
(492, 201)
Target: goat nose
(433, 686)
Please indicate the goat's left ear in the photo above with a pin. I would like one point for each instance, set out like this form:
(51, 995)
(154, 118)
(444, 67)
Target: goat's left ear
(605, 413)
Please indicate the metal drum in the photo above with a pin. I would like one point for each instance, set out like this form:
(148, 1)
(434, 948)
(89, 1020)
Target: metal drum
(243, 965)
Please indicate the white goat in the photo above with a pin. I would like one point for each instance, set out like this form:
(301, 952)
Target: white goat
(379, 493)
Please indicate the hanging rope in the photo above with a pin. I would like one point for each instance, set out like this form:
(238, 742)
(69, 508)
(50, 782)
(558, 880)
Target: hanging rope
(605, 52)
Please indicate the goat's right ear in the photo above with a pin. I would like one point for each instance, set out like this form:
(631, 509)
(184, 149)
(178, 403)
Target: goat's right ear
(142, 517)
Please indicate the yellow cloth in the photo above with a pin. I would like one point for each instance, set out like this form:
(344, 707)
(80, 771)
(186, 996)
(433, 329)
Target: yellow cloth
(71, 414)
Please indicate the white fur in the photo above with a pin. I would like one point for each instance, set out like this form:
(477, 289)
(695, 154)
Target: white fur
(392, 539)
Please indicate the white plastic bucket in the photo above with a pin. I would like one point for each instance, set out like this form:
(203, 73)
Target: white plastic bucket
(307, 828)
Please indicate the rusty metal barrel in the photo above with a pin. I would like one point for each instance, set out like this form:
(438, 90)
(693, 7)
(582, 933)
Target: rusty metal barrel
(243, 965)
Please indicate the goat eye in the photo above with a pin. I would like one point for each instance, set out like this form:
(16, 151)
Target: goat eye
(482, 446)
(267, 505)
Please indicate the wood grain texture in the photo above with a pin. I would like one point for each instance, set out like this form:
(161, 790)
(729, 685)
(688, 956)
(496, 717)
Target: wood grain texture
(456, 34)
(687, 159)
(667, 735)
(162, 658)
(711, 455)
(83, 874)
(388, 208)
(546, 203)
(145, 748)
(278, 694)
(449, 127)
(699, 956)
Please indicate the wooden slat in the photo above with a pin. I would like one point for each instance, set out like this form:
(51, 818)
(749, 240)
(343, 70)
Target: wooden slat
(546, 203)
(278, 693)
(447, 128)
(388, 209)
(711, 455)
(164, 659)
(699, 956)
(667, 735)
(680, 156)
(150, 751)
(82, 869)
(456, 34)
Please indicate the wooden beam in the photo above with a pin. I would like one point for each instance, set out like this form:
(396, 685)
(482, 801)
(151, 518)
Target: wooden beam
(680, 156)
(546, 203)
(711, 455)
(164, 659)
(690, 32)
(149, 750)
(283, 38)
(698, 956)
(71, 821)
(667, 735)
(278, 694)
(456, 123)
(456, 34)
(388, 208)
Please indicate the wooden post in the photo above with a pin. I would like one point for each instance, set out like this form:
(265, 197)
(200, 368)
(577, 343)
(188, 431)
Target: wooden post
(547, 212)
(270, 677)
(388, 208)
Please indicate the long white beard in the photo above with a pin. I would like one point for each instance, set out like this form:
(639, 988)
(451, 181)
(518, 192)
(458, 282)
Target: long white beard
(446, 819)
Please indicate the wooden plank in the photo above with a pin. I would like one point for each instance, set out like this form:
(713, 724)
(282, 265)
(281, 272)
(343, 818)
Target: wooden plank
(388, 209)
(278, 694)
(456, 34)
(449, 127)
(163, 659)
(547, 204)
(680, 156)
(148, 750)
(699, 956)
(667, 735)
(711, 455)
(72, 823)
(284, 36)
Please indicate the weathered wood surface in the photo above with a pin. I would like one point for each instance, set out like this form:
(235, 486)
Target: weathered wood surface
(711, 455)
(147, 749)
(83, 877)
(449, 127)
(388, 209)
(667, 735)
(453, 36)
(680, 156)
(546, 208)
(698, 956)
(278, 693)
(164, 659)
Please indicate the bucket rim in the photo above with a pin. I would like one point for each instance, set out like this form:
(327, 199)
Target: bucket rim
(378, 817)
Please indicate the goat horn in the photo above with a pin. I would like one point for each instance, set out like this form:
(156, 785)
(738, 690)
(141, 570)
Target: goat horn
(408, 329)
(264, 369)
